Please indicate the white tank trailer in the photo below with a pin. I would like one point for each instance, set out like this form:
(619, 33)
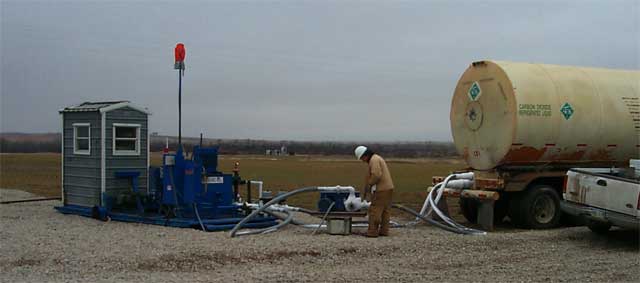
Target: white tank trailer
(521, 126)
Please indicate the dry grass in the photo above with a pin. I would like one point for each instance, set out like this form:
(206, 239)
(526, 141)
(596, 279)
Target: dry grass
(411, 177)
(40, 173)
(37, 173)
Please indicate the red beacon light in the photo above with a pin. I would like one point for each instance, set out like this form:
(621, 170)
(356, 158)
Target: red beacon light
(180, 54)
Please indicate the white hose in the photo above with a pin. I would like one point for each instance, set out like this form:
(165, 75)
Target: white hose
(458, 181)
(465, 181)
(284, 196)
(392, 224)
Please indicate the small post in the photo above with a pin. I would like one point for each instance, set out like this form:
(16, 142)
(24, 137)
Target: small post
(179, 107)
(249, 191)
(236, 181)
(485, 214)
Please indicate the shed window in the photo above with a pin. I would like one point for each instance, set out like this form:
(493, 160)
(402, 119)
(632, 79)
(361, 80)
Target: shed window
(126, 139)
(82, 138)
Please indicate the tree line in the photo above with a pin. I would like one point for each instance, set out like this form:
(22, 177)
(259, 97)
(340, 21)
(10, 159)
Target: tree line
(259, 147)
(21, 146)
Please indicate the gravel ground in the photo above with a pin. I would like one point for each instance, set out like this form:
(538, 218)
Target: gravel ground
(39, 244)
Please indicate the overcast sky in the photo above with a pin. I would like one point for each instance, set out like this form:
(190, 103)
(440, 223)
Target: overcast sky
(317, 70)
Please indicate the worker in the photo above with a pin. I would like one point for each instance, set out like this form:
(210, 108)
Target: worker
(378, 182)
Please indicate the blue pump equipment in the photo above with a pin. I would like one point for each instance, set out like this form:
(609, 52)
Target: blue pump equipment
(182, 193)
(334, 200)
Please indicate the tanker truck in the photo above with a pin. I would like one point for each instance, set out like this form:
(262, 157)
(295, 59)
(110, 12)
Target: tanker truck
(521, 126)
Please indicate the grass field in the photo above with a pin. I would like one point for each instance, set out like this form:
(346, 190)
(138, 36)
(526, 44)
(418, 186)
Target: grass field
(37, 173)
(40, 173)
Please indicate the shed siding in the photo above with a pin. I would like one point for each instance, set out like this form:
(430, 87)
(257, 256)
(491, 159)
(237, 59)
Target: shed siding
(116, 163)
(82, 172)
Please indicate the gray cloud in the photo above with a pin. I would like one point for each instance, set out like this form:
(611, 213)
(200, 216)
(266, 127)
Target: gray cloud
(290, 70)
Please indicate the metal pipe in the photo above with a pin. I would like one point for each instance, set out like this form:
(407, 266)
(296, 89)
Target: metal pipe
(324, 217)
(236, 181)
(175, 191)
(277, 207)
(324, 226)
(259, 183)
(30, 200)
(179, 108)
(249, 191)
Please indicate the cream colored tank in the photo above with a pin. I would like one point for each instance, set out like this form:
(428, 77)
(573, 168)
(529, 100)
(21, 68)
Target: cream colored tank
(507, 113)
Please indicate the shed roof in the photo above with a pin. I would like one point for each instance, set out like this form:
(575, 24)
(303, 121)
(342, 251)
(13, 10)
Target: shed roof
(103, 106)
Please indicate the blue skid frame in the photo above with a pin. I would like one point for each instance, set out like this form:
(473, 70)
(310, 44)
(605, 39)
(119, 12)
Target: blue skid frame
(210, 224)
(187, 189)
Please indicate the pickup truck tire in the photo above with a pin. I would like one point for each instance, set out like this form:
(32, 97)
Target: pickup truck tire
(536, 208)
(599, 227)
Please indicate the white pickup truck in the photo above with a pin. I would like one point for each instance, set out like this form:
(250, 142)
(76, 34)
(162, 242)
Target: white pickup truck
(604, 196)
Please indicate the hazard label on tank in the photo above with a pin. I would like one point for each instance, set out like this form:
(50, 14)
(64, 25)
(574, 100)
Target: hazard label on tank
(474, 91)
(566, 110)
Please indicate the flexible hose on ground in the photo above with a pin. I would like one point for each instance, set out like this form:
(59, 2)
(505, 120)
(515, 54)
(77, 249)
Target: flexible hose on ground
(293, 221)
(428, 220)
(271, 202)
(430, 205)
(280, 208)
(274, 228)
(447, 218)
(305, 210)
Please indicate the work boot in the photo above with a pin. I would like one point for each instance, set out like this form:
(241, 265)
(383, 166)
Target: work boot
(364, 234)
(372, 232)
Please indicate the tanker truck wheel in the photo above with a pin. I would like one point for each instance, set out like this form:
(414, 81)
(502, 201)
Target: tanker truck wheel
(537, 208)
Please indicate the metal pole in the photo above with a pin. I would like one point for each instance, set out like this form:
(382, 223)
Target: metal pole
(324, 218)
(179, 108)
(30, 200)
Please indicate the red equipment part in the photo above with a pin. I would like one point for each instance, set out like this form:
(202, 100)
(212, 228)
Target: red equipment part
(180, 52)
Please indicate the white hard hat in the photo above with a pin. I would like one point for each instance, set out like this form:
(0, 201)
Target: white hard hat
(360, 151)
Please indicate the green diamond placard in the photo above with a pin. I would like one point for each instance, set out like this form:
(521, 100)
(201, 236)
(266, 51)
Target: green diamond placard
(566, 110)
(474, 91)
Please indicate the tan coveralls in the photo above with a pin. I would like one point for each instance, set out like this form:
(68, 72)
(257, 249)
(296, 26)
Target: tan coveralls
(380, 209)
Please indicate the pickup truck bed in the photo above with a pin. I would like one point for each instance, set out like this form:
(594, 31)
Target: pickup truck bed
(604, 196)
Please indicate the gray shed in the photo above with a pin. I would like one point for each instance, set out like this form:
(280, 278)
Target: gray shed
(98, 140)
